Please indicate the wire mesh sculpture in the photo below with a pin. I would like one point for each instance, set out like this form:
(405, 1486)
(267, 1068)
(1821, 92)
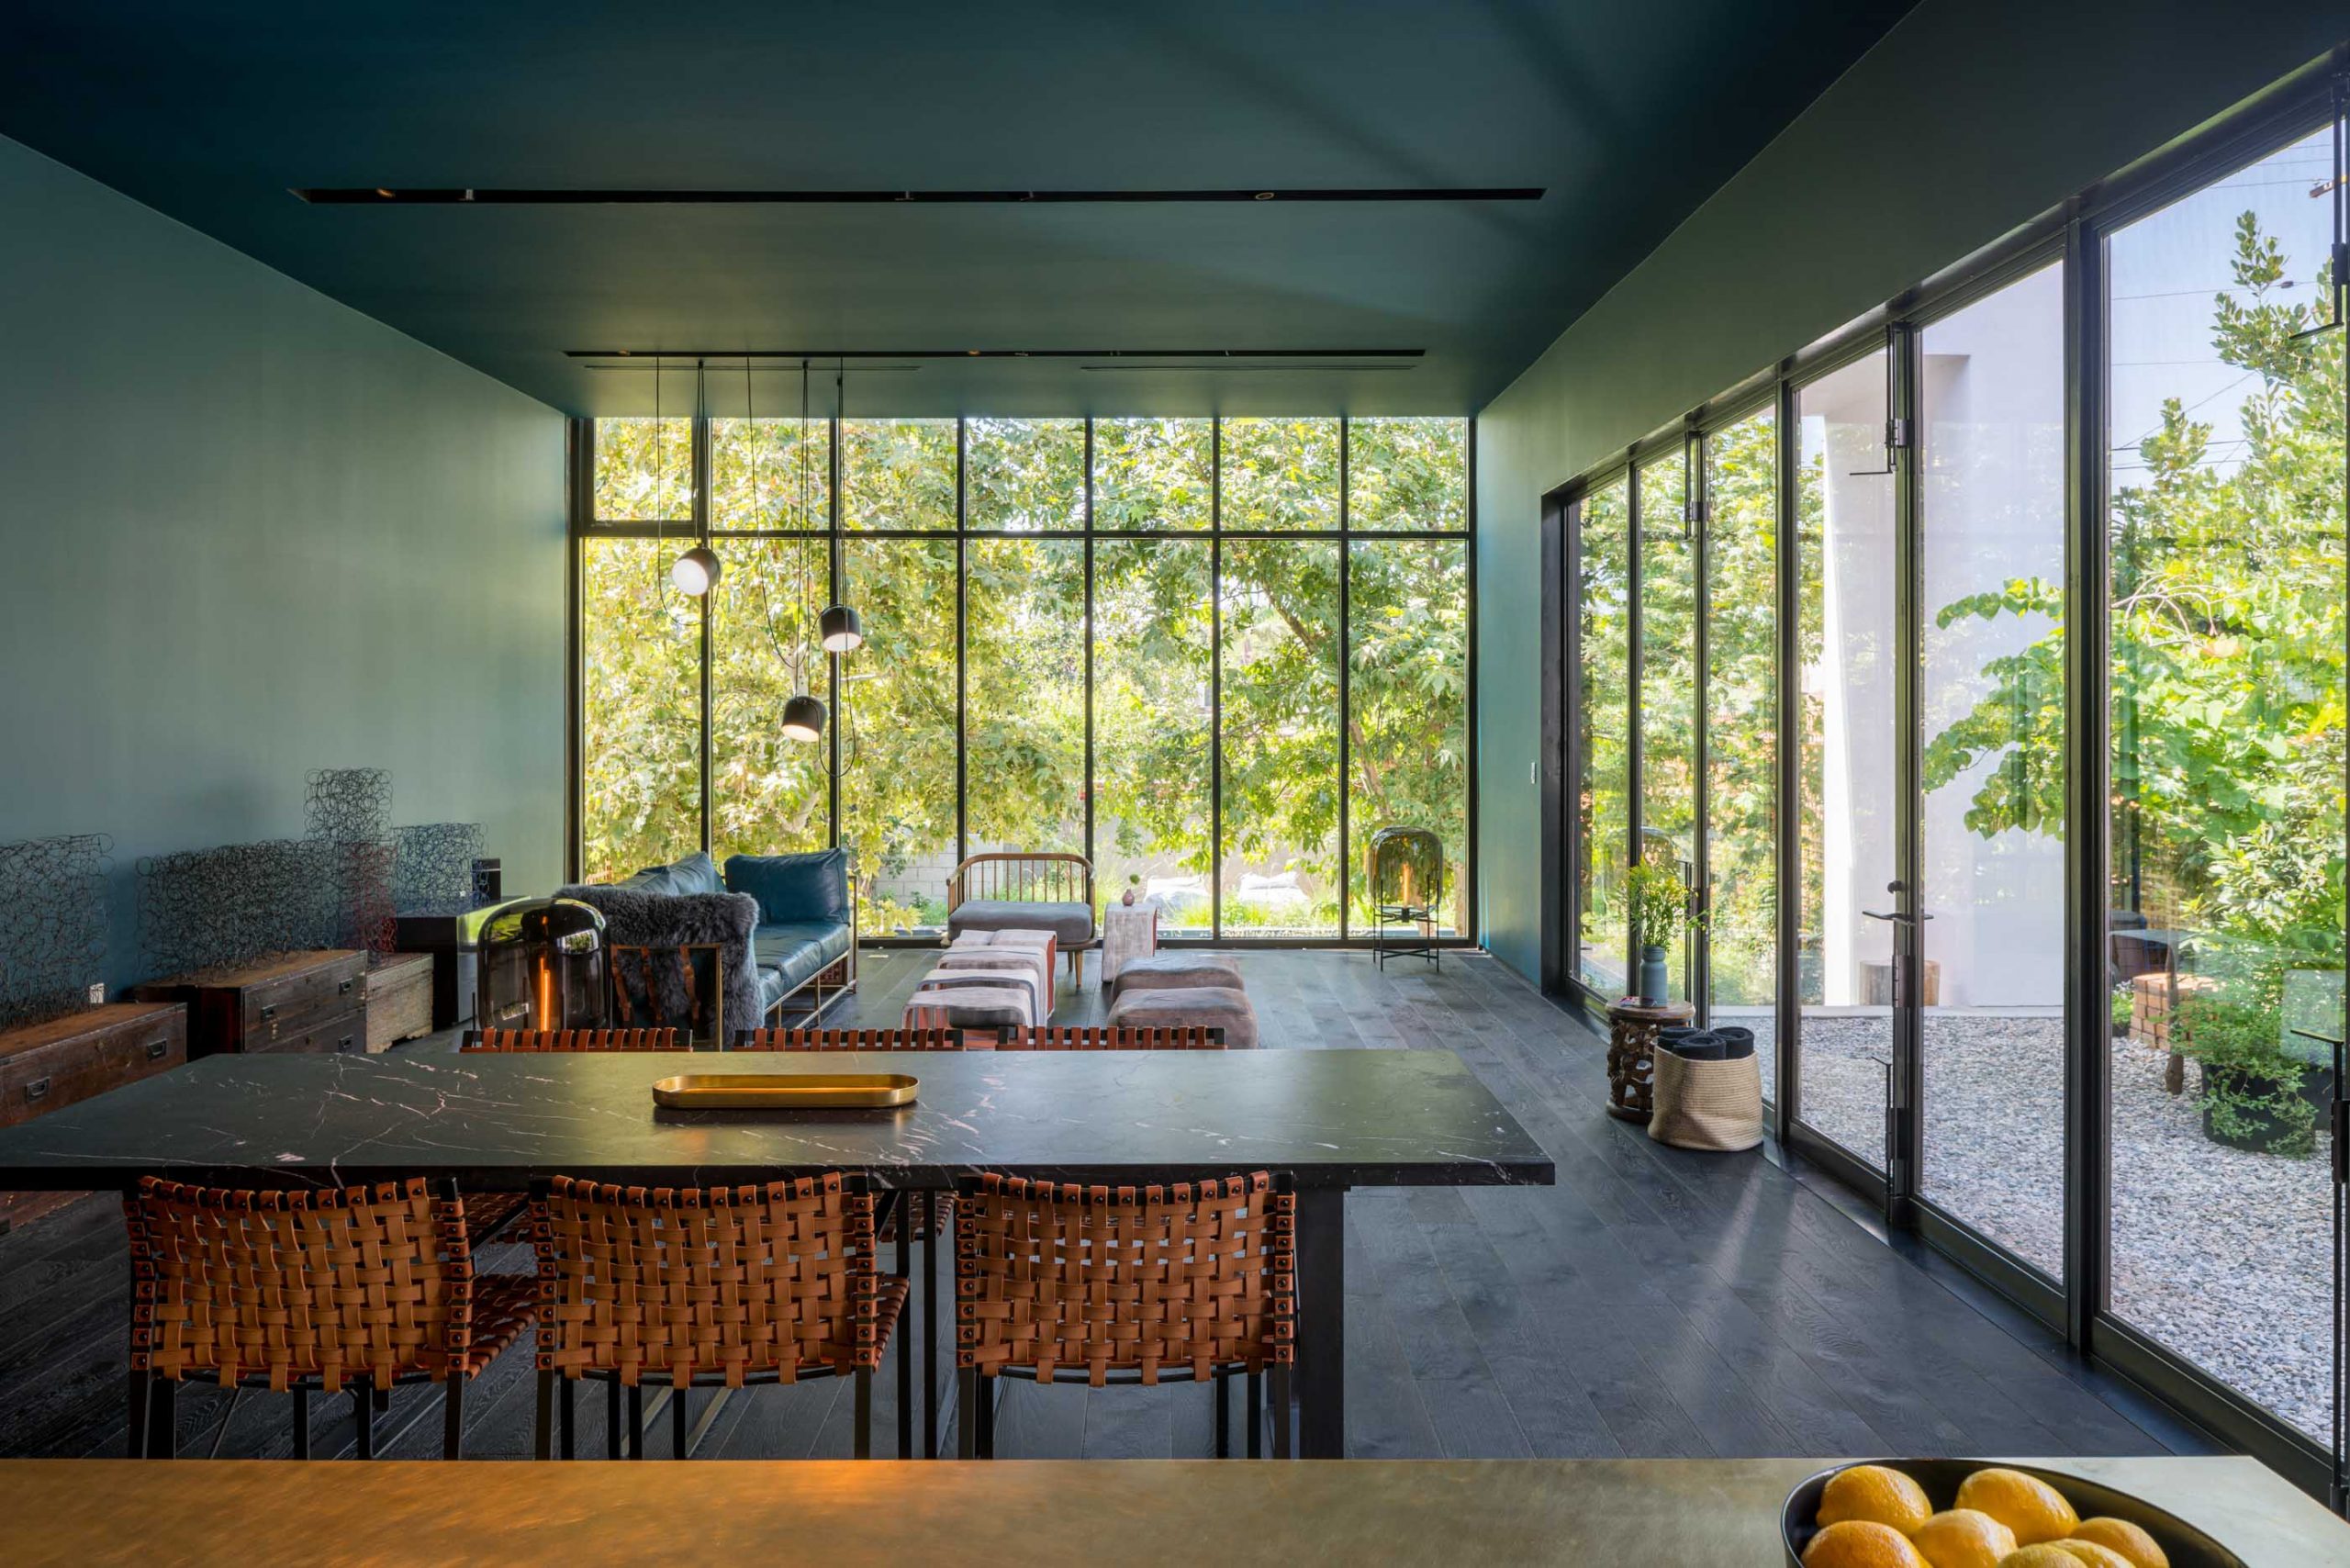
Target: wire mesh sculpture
(350, 810)
(52, 925)
(213, 908)
(434, 869)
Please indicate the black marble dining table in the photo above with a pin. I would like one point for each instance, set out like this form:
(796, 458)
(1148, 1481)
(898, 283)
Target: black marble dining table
(1332, 1119)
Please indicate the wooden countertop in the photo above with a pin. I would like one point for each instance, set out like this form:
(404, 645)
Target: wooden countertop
(1654, 1513)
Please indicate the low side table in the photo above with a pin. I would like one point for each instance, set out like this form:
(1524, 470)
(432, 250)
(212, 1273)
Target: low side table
(1129, 930)
(1631, 1047)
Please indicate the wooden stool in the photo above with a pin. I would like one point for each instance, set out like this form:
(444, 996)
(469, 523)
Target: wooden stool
(1631, 1045)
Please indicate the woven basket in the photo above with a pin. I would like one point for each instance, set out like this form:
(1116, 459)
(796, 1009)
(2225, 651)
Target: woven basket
(1707, 1104)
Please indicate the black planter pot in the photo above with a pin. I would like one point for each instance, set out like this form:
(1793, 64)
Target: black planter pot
(2264, 1129)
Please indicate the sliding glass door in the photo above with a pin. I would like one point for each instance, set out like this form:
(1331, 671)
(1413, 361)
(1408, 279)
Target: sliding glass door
(1601, 729)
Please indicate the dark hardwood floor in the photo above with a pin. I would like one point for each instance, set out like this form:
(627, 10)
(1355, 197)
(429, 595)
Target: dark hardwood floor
(1654, 1303)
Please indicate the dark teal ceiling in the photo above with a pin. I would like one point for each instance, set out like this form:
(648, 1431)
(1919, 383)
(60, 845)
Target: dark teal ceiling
(1628, 113)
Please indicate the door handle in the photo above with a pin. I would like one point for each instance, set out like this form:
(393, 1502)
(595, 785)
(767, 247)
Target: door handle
(1905, 919)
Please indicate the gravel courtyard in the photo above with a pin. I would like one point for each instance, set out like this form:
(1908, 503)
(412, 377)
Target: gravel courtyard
(2222, 1255)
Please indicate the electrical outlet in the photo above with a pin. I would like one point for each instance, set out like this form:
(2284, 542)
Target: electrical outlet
(1534, 771)
(98, 994)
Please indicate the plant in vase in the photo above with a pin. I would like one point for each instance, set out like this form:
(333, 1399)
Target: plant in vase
(1660, 901)
(2258, 1094)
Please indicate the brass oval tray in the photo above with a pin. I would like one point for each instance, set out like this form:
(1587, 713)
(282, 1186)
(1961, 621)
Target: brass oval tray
(785, 1091)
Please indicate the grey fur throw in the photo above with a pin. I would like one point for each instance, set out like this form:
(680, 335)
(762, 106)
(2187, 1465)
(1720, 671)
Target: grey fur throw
(635, 919)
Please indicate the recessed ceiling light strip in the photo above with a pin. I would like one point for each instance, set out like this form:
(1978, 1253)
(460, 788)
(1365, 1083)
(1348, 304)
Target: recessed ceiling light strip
(396, 195)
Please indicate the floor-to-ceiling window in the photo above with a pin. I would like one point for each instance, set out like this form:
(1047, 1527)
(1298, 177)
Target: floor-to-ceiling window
(1668, 783)
(1741, 716)
(1602, 730)
(1254, 632)
(2225, 537)
(1846, 674)
(1991, 717)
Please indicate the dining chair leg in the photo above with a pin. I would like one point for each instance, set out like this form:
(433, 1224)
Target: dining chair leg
(163, 1419)
(139, 1397)
(568, 1389)
(1221, 1384)
(678, 1426)
(543, 1428)
(612, 1419)
(636, 1420)
(1281, 1407)
(1256, 1447)
(929, 1324)
(301, 1423)
(905, 1202)
(967, 1414)
(988, 1392)
(863, 1400)
(363, 1417)
(453, 1416)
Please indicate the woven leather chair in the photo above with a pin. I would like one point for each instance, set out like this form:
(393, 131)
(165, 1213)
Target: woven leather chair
(720, 1286)
(1193, 1281)
(572, 1040)
(1112, 1037)
(848, 1040)
(359, 1288)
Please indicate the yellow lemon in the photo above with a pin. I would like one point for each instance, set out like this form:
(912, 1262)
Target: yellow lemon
(2040, 1557)
(1961, 1538)
(2125, 1540)
(1865, 1543)
(2090, 1552)
(1882, 1496)
(2025, 1504)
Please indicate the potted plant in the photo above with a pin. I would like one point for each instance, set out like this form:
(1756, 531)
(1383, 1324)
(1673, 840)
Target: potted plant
(2120, 1007)
(1660, 908)
(2258, 1095)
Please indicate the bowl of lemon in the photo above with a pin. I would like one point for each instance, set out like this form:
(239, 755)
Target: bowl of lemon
(1967, 1513)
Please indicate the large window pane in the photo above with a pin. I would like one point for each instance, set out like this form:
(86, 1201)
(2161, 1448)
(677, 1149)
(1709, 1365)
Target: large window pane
(2225, 531)
(1153, 656)
(1742, 730)
(1602, 735)
(640, 683)
(770, 474)
(644, 470)
(1991, 696)
(1279, 473)
(1027, 476)
(1154, 473)
(1279, 603)
(1407, 473)
(898, 474)
(1025, 704)
(1849, 664)
(1669, 683)
(767, 794)
(1407, 700)
(897, 724)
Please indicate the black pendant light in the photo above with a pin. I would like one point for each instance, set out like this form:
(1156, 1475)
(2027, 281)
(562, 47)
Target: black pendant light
(803, 719)
(696, 571)
(843, 632)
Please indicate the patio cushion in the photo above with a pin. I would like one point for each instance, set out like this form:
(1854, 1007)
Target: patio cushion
(1212, 1007)
(791, 887)
(793, 950)
(1071, 923)
(1176, 971)
(970, 1007)
(693, 874)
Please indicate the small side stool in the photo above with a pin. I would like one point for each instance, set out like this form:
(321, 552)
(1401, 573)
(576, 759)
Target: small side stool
(1631, 1047)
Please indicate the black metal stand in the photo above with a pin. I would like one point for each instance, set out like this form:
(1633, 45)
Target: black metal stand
(1416, 918)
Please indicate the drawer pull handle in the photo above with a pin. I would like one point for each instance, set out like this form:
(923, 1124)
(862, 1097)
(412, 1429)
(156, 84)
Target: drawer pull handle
(344, 1044)
(38, 1089)
(157, 1049)
(345, 989)
(269, 1013)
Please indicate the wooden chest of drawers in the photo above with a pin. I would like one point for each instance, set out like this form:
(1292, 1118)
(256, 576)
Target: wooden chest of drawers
(45, 1066)
(298, 1001)
(399, 1000)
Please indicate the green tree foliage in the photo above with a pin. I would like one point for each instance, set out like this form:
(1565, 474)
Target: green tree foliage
(2227, 649)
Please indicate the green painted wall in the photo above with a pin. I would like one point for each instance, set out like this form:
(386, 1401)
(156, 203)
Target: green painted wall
(250, 533)
(1969, 119)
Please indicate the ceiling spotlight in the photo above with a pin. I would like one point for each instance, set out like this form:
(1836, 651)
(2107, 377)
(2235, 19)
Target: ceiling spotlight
(696, 571)
(803, 719)
(843, 633)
